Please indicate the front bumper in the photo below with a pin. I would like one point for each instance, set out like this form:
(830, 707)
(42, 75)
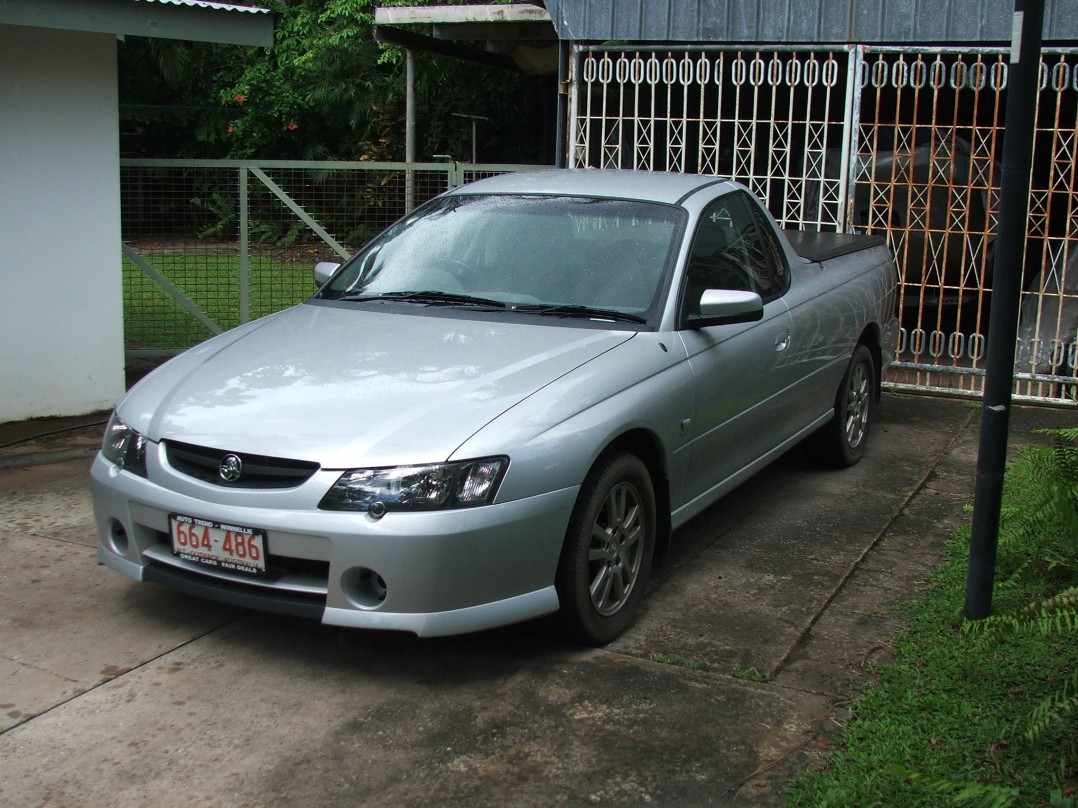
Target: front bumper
(437, 573)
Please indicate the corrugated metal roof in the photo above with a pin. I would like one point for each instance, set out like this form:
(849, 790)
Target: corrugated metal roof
(195, 20)
(803, 21)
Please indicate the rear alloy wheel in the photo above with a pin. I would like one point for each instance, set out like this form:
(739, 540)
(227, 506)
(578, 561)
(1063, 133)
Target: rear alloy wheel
(608, 549)
(845, 438)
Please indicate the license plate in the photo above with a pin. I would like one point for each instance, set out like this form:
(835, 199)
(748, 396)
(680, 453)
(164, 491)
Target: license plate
(225, 547)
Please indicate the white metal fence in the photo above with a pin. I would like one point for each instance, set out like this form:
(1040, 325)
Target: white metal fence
(901, 142)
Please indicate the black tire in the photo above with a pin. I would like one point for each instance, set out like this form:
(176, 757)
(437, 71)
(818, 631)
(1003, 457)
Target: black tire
(842, 442)
(609, 545)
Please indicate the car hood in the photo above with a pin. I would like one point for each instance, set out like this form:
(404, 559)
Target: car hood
(345, 386)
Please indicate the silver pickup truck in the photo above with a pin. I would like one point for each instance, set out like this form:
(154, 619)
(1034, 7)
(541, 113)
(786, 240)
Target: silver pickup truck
(499, 407)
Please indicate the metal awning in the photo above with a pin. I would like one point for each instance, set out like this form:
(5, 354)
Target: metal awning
(517, 36)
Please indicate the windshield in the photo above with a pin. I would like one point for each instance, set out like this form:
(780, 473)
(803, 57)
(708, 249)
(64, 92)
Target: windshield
(520, 253)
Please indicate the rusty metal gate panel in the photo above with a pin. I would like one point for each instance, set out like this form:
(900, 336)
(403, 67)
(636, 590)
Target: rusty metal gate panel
(927, 174)
(900, 142)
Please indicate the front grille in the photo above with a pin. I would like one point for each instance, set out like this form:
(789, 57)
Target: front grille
(258, 471)
(298, 604)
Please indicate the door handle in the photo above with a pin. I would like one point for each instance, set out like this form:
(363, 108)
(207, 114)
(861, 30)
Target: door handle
(782, 341)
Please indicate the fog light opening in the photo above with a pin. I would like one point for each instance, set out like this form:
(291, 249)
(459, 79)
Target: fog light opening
(365, 587)
(118, 538)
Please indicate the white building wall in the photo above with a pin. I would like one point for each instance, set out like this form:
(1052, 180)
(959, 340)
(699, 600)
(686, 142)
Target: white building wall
(61, 310)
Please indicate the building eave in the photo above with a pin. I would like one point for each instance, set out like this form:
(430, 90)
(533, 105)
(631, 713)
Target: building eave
(192, 20)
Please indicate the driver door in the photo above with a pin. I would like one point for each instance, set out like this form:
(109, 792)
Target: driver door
(739, 370)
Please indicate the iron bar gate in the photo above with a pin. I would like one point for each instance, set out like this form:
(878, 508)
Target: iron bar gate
(894, 141)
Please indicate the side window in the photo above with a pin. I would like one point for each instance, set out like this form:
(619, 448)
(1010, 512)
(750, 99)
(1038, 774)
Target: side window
(734, 248)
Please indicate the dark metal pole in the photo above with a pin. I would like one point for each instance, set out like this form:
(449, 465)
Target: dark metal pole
(1022, 86)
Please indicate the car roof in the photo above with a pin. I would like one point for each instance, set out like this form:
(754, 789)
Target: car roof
(649, 186)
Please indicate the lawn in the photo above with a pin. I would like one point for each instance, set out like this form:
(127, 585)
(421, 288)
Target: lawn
(211, 279)
(947, 722)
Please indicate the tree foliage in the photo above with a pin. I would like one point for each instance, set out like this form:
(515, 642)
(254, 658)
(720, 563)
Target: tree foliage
(169, 98)
(326, 90)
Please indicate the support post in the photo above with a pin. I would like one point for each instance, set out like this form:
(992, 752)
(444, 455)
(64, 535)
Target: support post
(561, 136)
(1019, 127)
(245, 248)
(409, 130)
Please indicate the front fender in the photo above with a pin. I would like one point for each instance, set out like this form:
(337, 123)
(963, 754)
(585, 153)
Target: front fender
(553, 437)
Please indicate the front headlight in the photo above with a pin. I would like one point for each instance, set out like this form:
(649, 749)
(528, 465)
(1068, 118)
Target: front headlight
(434, 487)
(124, 446)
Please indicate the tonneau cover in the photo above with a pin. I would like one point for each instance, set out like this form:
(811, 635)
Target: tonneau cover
(822, 246)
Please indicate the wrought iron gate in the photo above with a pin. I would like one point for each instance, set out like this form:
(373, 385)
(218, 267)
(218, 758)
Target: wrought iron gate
(901, 142)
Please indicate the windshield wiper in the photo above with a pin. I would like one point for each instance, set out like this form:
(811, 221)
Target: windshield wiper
(584, 312)
(427, 298)
(433, 298)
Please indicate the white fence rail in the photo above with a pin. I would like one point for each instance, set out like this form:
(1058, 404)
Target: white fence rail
(211, 244)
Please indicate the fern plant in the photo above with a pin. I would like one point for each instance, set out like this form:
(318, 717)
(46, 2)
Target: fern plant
(1044, 516)
(1052, 526)
(978, 795)
(1053, 615)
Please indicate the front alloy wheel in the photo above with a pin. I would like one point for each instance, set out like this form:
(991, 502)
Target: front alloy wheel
(608, 549)
(617, 547)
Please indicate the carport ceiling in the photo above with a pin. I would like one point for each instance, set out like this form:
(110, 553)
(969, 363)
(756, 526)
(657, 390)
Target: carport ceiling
(517, 36)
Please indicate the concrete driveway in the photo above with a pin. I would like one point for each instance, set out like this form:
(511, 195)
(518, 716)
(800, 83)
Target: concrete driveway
(767, 615)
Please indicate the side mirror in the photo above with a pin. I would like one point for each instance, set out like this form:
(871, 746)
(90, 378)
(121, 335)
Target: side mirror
(726, 306)
(323, 270)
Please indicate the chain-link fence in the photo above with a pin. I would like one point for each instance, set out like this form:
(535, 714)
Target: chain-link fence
(212, 244)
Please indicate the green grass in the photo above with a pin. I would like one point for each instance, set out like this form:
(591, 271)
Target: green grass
(210, 279)
(943, 724)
